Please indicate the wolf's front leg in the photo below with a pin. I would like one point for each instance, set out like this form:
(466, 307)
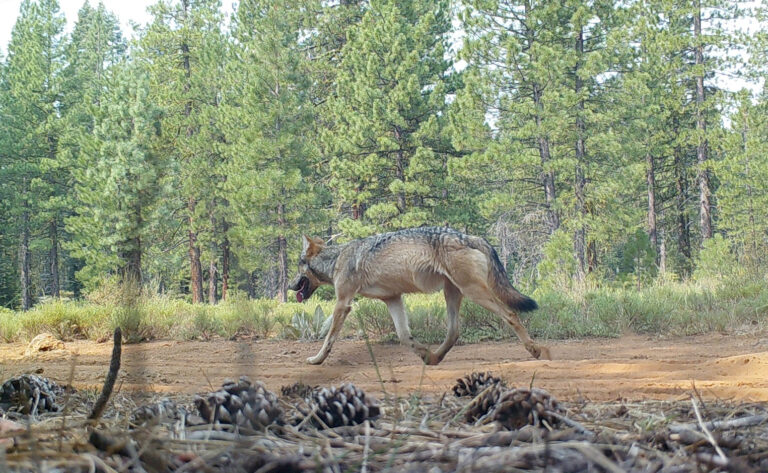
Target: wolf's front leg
(340, 313)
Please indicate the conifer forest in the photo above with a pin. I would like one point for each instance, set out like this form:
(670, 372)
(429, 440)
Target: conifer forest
(594, 143)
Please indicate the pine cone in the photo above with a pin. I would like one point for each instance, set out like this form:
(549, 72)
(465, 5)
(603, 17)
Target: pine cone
(474, 383)
(485, 402)
(29, 394)
(297, 390)
(243, 403)
(162, 412)
(347, 405)
(519, 407)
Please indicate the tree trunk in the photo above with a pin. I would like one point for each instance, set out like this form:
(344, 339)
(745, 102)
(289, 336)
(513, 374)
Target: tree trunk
(24, 261)
(130, 253)
(705, 204)
(212, 281)
(548, 176)
(400, 170)
(651, 183)
(131, 259)
(282, 256)
(225, 266)
(53, 234)
(681, 197)
(195, 268)
(252, 280)
(580, 235)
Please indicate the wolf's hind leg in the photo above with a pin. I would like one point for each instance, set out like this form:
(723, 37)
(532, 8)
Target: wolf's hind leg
(400, 318)
(340, 313)
(484, 297)
(453, 299)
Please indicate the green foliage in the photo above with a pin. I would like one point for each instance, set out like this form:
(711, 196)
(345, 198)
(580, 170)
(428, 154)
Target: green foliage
(387, 153)
(716, 260)
(558, 265)
(310, 327)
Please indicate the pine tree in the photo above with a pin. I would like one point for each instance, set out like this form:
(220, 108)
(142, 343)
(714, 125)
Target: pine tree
(270, 184)
(31, 113)
(184, 50)
(96, 44)
(118, 177)
(388, 155)
(743, 189)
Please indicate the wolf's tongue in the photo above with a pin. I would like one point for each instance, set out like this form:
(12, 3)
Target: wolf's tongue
(299, 296)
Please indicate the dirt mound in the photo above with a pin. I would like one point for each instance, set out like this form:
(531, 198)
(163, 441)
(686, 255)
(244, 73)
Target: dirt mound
(43, 342)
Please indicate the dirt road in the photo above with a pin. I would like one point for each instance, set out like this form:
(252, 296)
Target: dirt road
(632, 367)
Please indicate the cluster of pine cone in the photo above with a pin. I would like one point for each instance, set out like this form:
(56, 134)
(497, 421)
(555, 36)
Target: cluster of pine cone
(243, 403)
(29, 394)
(336, 407)
(510, 408)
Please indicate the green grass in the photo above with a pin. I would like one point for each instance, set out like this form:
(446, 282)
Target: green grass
(670, 308)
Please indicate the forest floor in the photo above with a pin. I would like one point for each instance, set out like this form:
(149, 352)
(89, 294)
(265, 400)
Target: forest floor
(632, 367)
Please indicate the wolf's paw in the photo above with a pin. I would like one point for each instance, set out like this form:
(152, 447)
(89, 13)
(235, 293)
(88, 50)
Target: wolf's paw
(544, 354)
(432, 359)
(315, 360)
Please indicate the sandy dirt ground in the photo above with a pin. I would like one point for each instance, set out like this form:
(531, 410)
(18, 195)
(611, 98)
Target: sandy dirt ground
(728, 367)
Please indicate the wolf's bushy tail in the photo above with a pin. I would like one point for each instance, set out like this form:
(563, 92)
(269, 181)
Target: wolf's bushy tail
(503, 288)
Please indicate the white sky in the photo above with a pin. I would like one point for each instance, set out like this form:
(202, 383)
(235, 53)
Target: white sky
(126, 10)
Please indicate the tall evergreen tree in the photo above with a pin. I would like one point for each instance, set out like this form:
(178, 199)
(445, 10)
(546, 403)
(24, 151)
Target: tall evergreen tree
(270, 184)
(389, 156)
(31, 113)
(95, 45)
(184, 51)
(117, 179)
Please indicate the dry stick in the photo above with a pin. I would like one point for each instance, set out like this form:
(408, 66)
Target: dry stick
(109, 383)
(366, 450)
(747, 421)
(706, 430)
(571, 423)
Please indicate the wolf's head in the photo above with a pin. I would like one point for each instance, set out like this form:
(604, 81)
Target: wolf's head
(307, 281)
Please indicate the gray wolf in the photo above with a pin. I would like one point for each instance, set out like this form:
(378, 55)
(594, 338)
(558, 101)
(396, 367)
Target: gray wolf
(424, 259)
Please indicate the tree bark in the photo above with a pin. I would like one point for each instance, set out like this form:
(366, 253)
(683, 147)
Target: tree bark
(212, 281)
(705, 204)
(53, 234)
(195, 268)
(225, 265)
(24, 261)
(681, 197)
(282, 256)
(400, 170)
(580, 235)
(542, 141)
(651, 184)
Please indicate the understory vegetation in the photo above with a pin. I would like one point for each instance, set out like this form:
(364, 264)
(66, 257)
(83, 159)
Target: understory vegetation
(664, 307)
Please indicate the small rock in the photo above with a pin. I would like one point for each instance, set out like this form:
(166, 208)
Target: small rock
(44, 342)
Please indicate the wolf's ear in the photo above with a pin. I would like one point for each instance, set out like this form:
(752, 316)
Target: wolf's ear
(310, 246)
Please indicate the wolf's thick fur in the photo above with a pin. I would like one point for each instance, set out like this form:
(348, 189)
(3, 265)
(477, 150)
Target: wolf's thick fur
(425, 260)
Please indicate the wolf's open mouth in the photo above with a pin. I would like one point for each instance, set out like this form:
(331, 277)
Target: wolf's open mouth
(304, 290)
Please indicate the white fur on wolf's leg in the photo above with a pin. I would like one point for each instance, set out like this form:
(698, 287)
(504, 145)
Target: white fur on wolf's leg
(323, 353)
(317, 359)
